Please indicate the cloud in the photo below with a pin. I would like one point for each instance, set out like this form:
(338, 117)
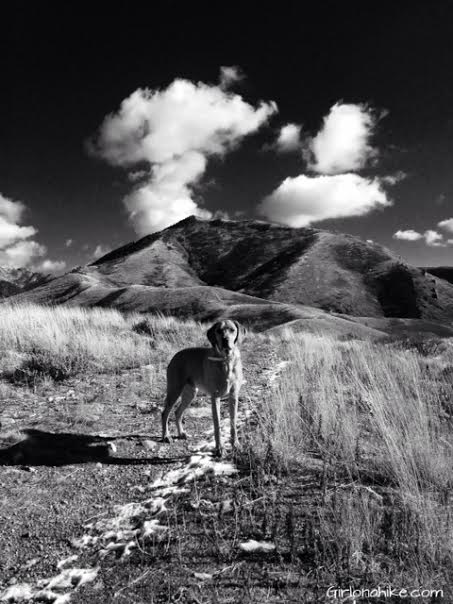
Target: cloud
(343, 143)
(21, 253)
(11, 213)
(17, 249)
(394, 179)
(446, 225)
(288, 139)
(408, 235)
(101, 250)
(175, 131)
(52, 266)
(433, 238)
(302, 200)
(11, 232)
(68, 242)
(230, 75)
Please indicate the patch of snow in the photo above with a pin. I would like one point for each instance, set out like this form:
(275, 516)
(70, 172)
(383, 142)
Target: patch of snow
(84, 541)
(69, 578)
(203, 576)
(17, 593)
(56, 590)
(252, 546)
(67, 561)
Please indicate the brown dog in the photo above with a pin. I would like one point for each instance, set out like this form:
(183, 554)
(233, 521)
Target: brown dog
(216, 371)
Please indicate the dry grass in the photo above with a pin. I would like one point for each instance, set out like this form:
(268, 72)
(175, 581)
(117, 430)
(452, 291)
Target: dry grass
(39, 342)
(351, 458)
(380, 421)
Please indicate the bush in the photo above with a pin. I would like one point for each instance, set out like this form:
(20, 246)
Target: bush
(43, 363)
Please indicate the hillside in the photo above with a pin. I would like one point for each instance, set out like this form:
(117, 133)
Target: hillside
(442, 272)
(202, 268)
(17, 280)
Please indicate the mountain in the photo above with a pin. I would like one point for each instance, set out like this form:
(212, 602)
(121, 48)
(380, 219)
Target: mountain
(16, 280)
(251, 269)
(442, 272)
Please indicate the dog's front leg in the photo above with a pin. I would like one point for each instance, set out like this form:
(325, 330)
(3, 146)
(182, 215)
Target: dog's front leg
(233, 407)
(215, 402)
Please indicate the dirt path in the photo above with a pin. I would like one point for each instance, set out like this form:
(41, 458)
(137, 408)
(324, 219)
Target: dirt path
(80, 525)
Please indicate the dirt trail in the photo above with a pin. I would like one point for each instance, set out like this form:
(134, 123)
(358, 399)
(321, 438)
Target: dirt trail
(66, 526)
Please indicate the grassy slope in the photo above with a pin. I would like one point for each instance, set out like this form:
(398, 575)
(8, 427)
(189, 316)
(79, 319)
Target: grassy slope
(346, 467)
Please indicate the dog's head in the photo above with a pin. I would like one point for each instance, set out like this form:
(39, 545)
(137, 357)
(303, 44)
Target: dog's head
(224, 336)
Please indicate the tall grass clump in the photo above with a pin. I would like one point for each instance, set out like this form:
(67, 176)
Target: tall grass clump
(378, 418)
(356, 401)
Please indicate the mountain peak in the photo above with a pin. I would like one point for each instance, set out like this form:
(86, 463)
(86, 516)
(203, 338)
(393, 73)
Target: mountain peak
(187, 267)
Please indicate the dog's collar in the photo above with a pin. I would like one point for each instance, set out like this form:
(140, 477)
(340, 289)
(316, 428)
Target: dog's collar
(220, 359)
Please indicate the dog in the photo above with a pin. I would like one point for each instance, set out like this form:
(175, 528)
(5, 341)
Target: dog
(216, 371)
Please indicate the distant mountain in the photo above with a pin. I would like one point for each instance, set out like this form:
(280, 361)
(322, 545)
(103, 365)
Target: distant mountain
(249, 268)
(443, 272)
(17, 280)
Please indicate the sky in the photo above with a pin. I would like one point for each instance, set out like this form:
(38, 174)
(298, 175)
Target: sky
(117, 123)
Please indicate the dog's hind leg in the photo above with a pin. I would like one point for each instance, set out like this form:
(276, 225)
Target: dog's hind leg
(189, 392)
(173, 393)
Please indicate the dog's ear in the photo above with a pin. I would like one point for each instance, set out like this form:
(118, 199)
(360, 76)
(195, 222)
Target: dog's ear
(239, 333)
(211, 335)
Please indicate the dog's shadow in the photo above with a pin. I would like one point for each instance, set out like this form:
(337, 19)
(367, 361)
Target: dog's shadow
(40, 448)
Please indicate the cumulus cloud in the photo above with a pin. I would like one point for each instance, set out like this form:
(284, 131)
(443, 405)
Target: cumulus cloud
(302, 200)
(17, 248)
(11, 213)
(52, 266)
(21, 253)
(175, 131)
(432, 238)
(288, 138)
(343, 143)
(408, 235)
(10, 210)
(11, 232)
(447, 225)
(68, 242)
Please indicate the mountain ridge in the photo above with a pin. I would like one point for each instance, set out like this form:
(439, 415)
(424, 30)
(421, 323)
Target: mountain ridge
(252, 263)
(17, 280)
